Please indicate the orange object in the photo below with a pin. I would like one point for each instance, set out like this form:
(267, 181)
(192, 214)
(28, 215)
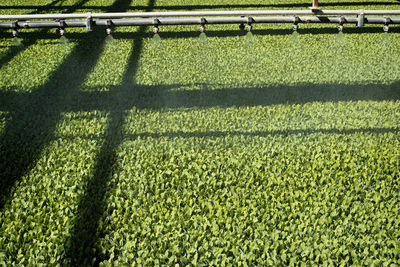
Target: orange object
(314, 6)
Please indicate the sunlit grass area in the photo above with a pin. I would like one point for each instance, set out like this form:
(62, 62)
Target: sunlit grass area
(231, 149)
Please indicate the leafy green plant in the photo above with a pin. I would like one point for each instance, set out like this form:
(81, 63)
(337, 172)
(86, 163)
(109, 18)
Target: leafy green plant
(280, 151)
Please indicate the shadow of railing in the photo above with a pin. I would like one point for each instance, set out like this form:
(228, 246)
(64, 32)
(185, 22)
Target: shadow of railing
(92, 205)
(230, 133)
(13, 51)
(260, 29)
(32, 124)
(125, 97)
(34, 117)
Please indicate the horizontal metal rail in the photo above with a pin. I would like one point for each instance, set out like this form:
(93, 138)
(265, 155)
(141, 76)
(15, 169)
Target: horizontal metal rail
(196, 21)
(200, 14)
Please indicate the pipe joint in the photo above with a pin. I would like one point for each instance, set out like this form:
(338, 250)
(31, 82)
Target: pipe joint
(62, 24)
(361, 18)
(61, 27)
(386, 26)
(25, 24)
(341, 22)
(156, 22)
(14, 26)
(109, 29)
(241, 26)
(203, 22)
(249, 27)
(89, 22)
(296, 21)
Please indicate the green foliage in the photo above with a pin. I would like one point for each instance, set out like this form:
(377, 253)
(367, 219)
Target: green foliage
(283, 150)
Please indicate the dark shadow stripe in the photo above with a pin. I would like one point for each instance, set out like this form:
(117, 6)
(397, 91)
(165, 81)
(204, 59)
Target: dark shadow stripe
(86, 232)
(33, 120)
(216, 134)
(127, 96)
(13, 51)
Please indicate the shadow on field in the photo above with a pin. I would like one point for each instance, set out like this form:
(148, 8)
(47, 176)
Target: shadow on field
(127, 96)
(213, 134)
(30, 37)
(83, 249)
(34, 120)
(13, 51)
(34, 117)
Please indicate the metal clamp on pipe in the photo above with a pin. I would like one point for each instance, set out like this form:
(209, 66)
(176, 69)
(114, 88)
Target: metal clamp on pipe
(109, 29)
(156, 23)
(61, 27)
(387, 22)
(295, 23)
(203, 22)
(14, 26)
(25, 24)
(361, 18)
(89, 22)
(241, 26)
(250, 20)
(341, 22)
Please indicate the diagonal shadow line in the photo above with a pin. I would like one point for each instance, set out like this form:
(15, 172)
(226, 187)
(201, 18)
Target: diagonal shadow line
(27, 133)
(166, 96)
(58, 101)
(85, 233)
(156, 97)
(13, 51)
(35, 118)
(213, 134)
(230, 133)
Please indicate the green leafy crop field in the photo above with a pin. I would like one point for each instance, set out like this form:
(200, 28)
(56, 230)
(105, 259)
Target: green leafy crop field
(266, 149)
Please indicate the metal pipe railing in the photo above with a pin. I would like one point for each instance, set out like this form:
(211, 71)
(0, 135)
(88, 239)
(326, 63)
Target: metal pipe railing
(156, 19)
(196, 21)
(199, 14)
